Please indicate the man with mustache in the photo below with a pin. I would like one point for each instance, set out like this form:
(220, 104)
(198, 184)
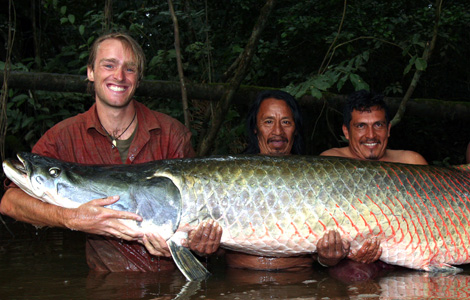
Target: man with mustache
(366, 125)
(274, 126)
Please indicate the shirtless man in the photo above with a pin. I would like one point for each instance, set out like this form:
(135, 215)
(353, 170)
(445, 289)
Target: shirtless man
(366, 125)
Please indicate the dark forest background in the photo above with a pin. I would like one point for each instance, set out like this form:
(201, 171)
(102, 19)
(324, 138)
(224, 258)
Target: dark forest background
(318, 50)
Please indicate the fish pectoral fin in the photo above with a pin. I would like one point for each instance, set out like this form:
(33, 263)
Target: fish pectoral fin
(186, 262)
(442, 268)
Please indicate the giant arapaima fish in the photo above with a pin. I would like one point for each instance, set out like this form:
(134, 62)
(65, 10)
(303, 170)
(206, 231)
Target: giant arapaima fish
(276, 206)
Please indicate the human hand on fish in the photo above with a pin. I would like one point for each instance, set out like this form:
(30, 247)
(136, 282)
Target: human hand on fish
(156, 245)
(331, 249)
(369, 252)
(93, 217)
(205, 239)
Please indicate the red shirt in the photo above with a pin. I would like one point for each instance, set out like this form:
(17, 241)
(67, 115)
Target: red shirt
(81, 139)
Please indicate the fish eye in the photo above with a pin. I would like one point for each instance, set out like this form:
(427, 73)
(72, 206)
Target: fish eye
(54, 172)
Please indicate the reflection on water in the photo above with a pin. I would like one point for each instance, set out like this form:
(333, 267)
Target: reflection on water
(52, 266)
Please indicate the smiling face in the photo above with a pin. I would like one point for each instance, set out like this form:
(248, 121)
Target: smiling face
(114, 73)
(275, 127)
(368, 133)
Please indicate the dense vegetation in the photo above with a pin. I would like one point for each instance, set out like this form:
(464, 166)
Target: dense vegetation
(310, 47)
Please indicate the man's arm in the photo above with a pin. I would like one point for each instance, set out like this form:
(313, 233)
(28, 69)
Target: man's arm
(91, 217)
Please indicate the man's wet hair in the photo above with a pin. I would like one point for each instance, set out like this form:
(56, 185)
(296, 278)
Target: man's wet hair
(363, 101)
(253, 146)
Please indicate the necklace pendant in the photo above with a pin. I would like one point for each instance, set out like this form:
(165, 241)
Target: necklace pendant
(114, 143)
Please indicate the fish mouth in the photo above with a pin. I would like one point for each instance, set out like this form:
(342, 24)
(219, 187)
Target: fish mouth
(15, 166)
(17, 171)
(20, 165)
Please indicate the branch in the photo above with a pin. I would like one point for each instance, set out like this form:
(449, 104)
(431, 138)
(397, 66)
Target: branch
(362, 38)
(321, 69)
(428, 49)
(223, 105)
(184, 93)
(108, 15)
(6, 75)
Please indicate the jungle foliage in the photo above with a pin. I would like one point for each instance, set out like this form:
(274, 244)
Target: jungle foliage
(309, 47)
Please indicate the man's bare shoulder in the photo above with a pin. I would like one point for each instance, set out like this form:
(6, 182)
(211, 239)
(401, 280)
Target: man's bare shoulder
(341, 152)
(405, 157)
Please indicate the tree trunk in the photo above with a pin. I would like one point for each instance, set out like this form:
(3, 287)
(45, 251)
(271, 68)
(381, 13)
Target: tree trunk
(5, 77)
(36, 35)
(222, 106)
(184, 94)
(108, 15)
(213, 92)
(428, 49)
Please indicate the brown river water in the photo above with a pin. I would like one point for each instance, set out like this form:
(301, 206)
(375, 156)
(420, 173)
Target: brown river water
(50, 264)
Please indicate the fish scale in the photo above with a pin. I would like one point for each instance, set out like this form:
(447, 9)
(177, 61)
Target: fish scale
(282, 206)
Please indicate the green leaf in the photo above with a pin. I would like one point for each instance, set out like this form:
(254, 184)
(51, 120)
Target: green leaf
(316, 93)
(63, 20)
(322, 83)
(154, 61)
(26, 122)
(30, 135)
(20, 99)
(358, 82)
(410, 64)
(63, 10)
(341, 82)
(302, 90)
(421, 64)
(172, 53)
(407, 69)
(365, 56)
(81, 29)
(72, 19)
(83, 55)
(90, 40)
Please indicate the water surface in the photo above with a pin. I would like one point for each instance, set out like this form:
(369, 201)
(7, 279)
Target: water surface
(50, 264)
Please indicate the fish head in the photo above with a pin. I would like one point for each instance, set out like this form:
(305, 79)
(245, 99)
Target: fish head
(155, 198)
(41, 177)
